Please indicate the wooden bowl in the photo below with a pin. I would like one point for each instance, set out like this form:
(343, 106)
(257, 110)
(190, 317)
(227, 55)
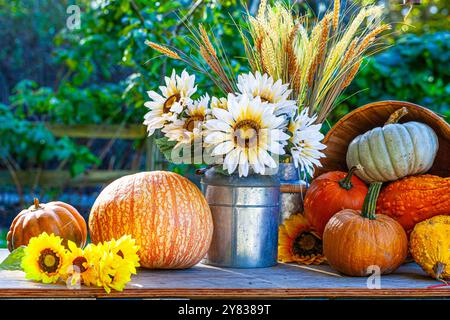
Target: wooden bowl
(374, 115)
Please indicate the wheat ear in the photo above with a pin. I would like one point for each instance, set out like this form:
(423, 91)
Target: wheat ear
(164, 50)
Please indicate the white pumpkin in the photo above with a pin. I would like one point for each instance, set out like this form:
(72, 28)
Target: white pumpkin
(393, 151)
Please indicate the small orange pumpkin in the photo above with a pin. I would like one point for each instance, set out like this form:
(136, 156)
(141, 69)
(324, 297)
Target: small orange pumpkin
(56, 217)
(355, 240)
(330, 193)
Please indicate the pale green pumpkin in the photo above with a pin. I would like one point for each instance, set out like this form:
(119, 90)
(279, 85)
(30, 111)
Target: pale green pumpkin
(393, 151)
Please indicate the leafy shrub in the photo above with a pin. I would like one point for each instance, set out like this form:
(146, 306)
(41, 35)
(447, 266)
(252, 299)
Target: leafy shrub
(31, 145)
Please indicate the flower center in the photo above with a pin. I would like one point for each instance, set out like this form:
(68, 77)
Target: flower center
(48, 261)
(266, 99)
(190, 123)
(307, 244)
(170, 101)
(78, 261)
(246, 133)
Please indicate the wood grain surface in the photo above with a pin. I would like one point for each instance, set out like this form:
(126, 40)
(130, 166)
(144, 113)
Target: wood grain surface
(202, 281)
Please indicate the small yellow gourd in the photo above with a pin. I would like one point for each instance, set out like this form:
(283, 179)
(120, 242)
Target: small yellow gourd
(430, 246)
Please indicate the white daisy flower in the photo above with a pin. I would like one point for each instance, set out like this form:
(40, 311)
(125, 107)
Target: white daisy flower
(189, 126)
(306, 140)
(247, 134)
(273, 93)
(221, 103)
(175, 95)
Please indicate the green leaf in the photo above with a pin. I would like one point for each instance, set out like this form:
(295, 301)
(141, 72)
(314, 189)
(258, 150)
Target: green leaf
(166, 147)
(14, 260)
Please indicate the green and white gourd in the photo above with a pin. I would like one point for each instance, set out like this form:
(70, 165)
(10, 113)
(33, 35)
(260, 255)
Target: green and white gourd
(393, 151)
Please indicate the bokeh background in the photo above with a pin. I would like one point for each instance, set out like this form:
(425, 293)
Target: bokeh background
(71, 100)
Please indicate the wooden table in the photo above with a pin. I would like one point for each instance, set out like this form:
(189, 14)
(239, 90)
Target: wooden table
(202, 281)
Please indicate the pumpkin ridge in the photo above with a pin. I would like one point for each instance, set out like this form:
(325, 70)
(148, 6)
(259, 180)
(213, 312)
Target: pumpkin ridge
(175, 199)
(375, 162)
(430, 156)
(153, 203)
(386, 173)
(178, 221)
(389, 152)
(416, 151)
(194, 206)
(358, 146)
(412, 167)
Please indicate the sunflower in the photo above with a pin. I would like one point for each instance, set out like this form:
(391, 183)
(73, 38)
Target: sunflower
(245, 134)
(298, 243)
(127, 249)
(80, 264)
(273, 93)
(189, 126)
(306, 142)
(114, 272)
(175, 96)
(43, 258)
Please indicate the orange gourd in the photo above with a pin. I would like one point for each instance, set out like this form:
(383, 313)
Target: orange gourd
(415, 199)
(330, 193)
(55, 217)
(165, 212)
(355, 241)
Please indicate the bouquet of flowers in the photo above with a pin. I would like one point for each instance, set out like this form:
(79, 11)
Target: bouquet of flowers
(274, 112)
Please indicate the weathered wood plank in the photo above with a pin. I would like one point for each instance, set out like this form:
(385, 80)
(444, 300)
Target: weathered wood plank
(202, 281)
(130, 131)
(58, 178)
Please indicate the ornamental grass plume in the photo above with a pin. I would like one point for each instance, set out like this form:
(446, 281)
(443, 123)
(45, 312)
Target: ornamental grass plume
(322, 57)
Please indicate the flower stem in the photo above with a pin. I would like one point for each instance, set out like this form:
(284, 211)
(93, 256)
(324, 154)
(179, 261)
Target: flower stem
(370, 202)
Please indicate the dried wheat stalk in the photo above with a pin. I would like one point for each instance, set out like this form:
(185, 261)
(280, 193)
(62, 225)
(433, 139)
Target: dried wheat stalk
(319, 58)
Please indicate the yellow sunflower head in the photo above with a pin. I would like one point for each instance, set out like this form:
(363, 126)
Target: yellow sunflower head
(127, 249)
(298, 243)
(114, 272)
(44, 258)
(80, 264)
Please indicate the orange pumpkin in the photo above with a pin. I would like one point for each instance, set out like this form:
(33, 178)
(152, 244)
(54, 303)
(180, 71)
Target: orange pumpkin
(330, 193)
(55, 217)
(165, 212)
(415, 199)
(355, 240)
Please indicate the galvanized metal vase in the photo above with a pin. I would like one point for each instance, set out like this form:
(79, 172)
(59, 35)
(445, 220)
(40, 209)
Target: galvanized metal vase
(293, 190)
(245, 213)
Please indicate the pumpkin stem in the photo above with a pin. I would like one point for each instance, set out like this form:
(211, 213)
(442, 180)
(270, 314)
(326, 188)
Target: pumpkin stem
(202, 171)
(346, 182)
(396, 116)
(36, 204)
(438, 269)
(370, 202)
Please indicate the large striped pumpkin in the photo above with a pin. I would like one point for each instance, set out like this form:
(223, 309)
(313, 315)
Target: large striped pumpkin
(165, 212)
